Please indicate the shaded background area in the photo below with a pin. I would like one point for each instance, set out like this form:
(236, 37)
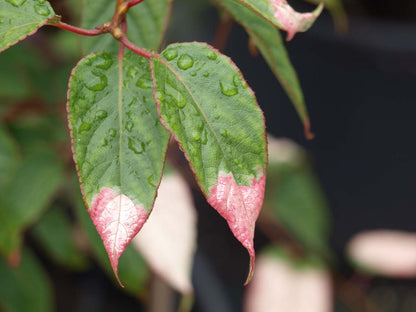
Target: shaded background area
(359, 89)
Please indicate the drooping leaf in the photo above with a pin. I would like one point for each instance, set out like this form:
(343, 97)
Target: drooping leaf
(205, 102)
(336, 8)
(132, 269)
(55, 234)
(168, 240)
(282, 15)
(147, 23)
(27, 196)
(9, 158)
(295, 198)
(118, 142)
(26, 288)
(269, 41)
(21, 18)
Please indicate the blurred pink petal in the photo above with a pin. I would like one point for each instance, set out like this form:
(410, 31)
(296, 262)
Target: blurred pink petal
(389, 253)
(167, 241)
(279, 287)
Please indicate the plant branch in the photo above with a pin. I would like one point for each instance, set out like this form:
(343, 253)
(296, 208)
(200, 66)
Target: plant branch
(129, 45)
(132, 3)
(78, 30)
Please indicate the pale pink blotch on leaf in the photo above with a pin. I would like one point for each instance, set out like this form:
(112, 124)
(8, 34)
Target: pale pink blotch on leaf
(117, 219)
(291, 20)
(240, 205)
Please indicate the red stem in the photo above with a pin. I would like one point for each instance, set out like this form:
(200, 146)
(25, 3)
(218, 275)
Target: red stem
(133, 3)
(77, 30)
(129, 45)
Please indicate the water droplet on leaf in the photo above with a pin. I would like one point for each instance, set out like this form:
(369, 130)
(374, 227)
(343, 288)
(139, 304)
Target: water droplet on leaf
(144, 82)
(206, 74)
(170, 54)
(101, 114)
(97, 86)
(196, 135)
(129, 126)
(42, 9)
(193, 73)
(112, 133)
(212, 55)
(185, 62)
(224, 133)
(16, 3)
(132, 72)
(228, 90)
(85, 126)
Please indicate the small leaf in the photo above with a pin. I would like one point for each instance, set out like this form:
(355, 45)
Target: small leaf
(205, 102)
(269, 41)
(118, 142)
(21, 18)
(26, 288)
(168, 241)
(132, 268)
(147, 24)
(55, 234)
(27, 197)
(282, 15)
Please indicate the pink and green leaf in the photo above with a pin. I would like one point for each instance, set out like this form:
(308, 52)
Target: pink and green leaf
(205, 102)
(22, 18)
(269, 41)
(118, 142)
(282, 15)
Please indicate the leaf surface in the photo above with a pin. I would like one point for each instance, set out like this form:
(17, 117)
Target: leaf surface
(118, 142)
(147, 23)
(205, 102)
(26, 288)
(21, 18)
(27, 196)
(269, 41)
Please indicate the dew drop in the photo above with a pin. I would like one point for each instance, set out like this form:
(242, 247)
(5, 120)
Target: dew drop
(105, 142)
(150, 180)
(88, 61)
(16, 3)
(193, 73)
(129, 126)
(228, 90)
(206, 74)
(135, 146)
(204, 139)
(144, 83)
(212, 55)
(170, 54)
(105, 61)
(196, 135)
(132, 72)
(112, 133)
(98, 86)
(85, 126)
(224, 133)
(185, 62)
(42, 9)
(217, 117)
(101, 114)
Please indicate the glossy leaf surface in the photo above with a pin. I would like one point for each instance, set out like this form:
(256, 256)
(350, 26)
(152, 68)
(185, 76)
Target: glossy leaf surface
(132, 269)
(269, 41)
(147, 23)
(118, 142)
(205, 102)
(55, 234)
(26, 288)
(21, 18)
(27, 196)
(282, 15)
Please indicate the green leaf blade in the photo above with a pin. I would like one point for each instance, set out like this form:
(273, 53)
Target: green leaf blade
(200, 95)
(21, 18)
(147, 23)
(118, 142)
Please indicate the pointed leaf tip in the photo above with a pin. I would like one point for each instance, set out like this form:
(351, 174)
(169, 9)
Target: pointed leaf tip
(293, 21)
(117, 220)
(240, 205)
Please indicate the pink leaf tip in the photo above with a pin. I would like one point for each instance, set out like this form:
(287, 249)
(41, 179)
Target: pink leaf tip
(117, 220)
(293, 21)
(240, 205)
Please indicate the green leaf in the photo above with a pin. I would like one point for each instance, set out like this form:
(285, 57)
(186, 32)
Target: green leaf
(118, 142)
(54, 232)
(9, 158)
(21, 18)
(27, 197)
(269, 41)
(147, 23)
(205, 102)
(282, 15)
(132, 268)
(295, 197)
(26, 288)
